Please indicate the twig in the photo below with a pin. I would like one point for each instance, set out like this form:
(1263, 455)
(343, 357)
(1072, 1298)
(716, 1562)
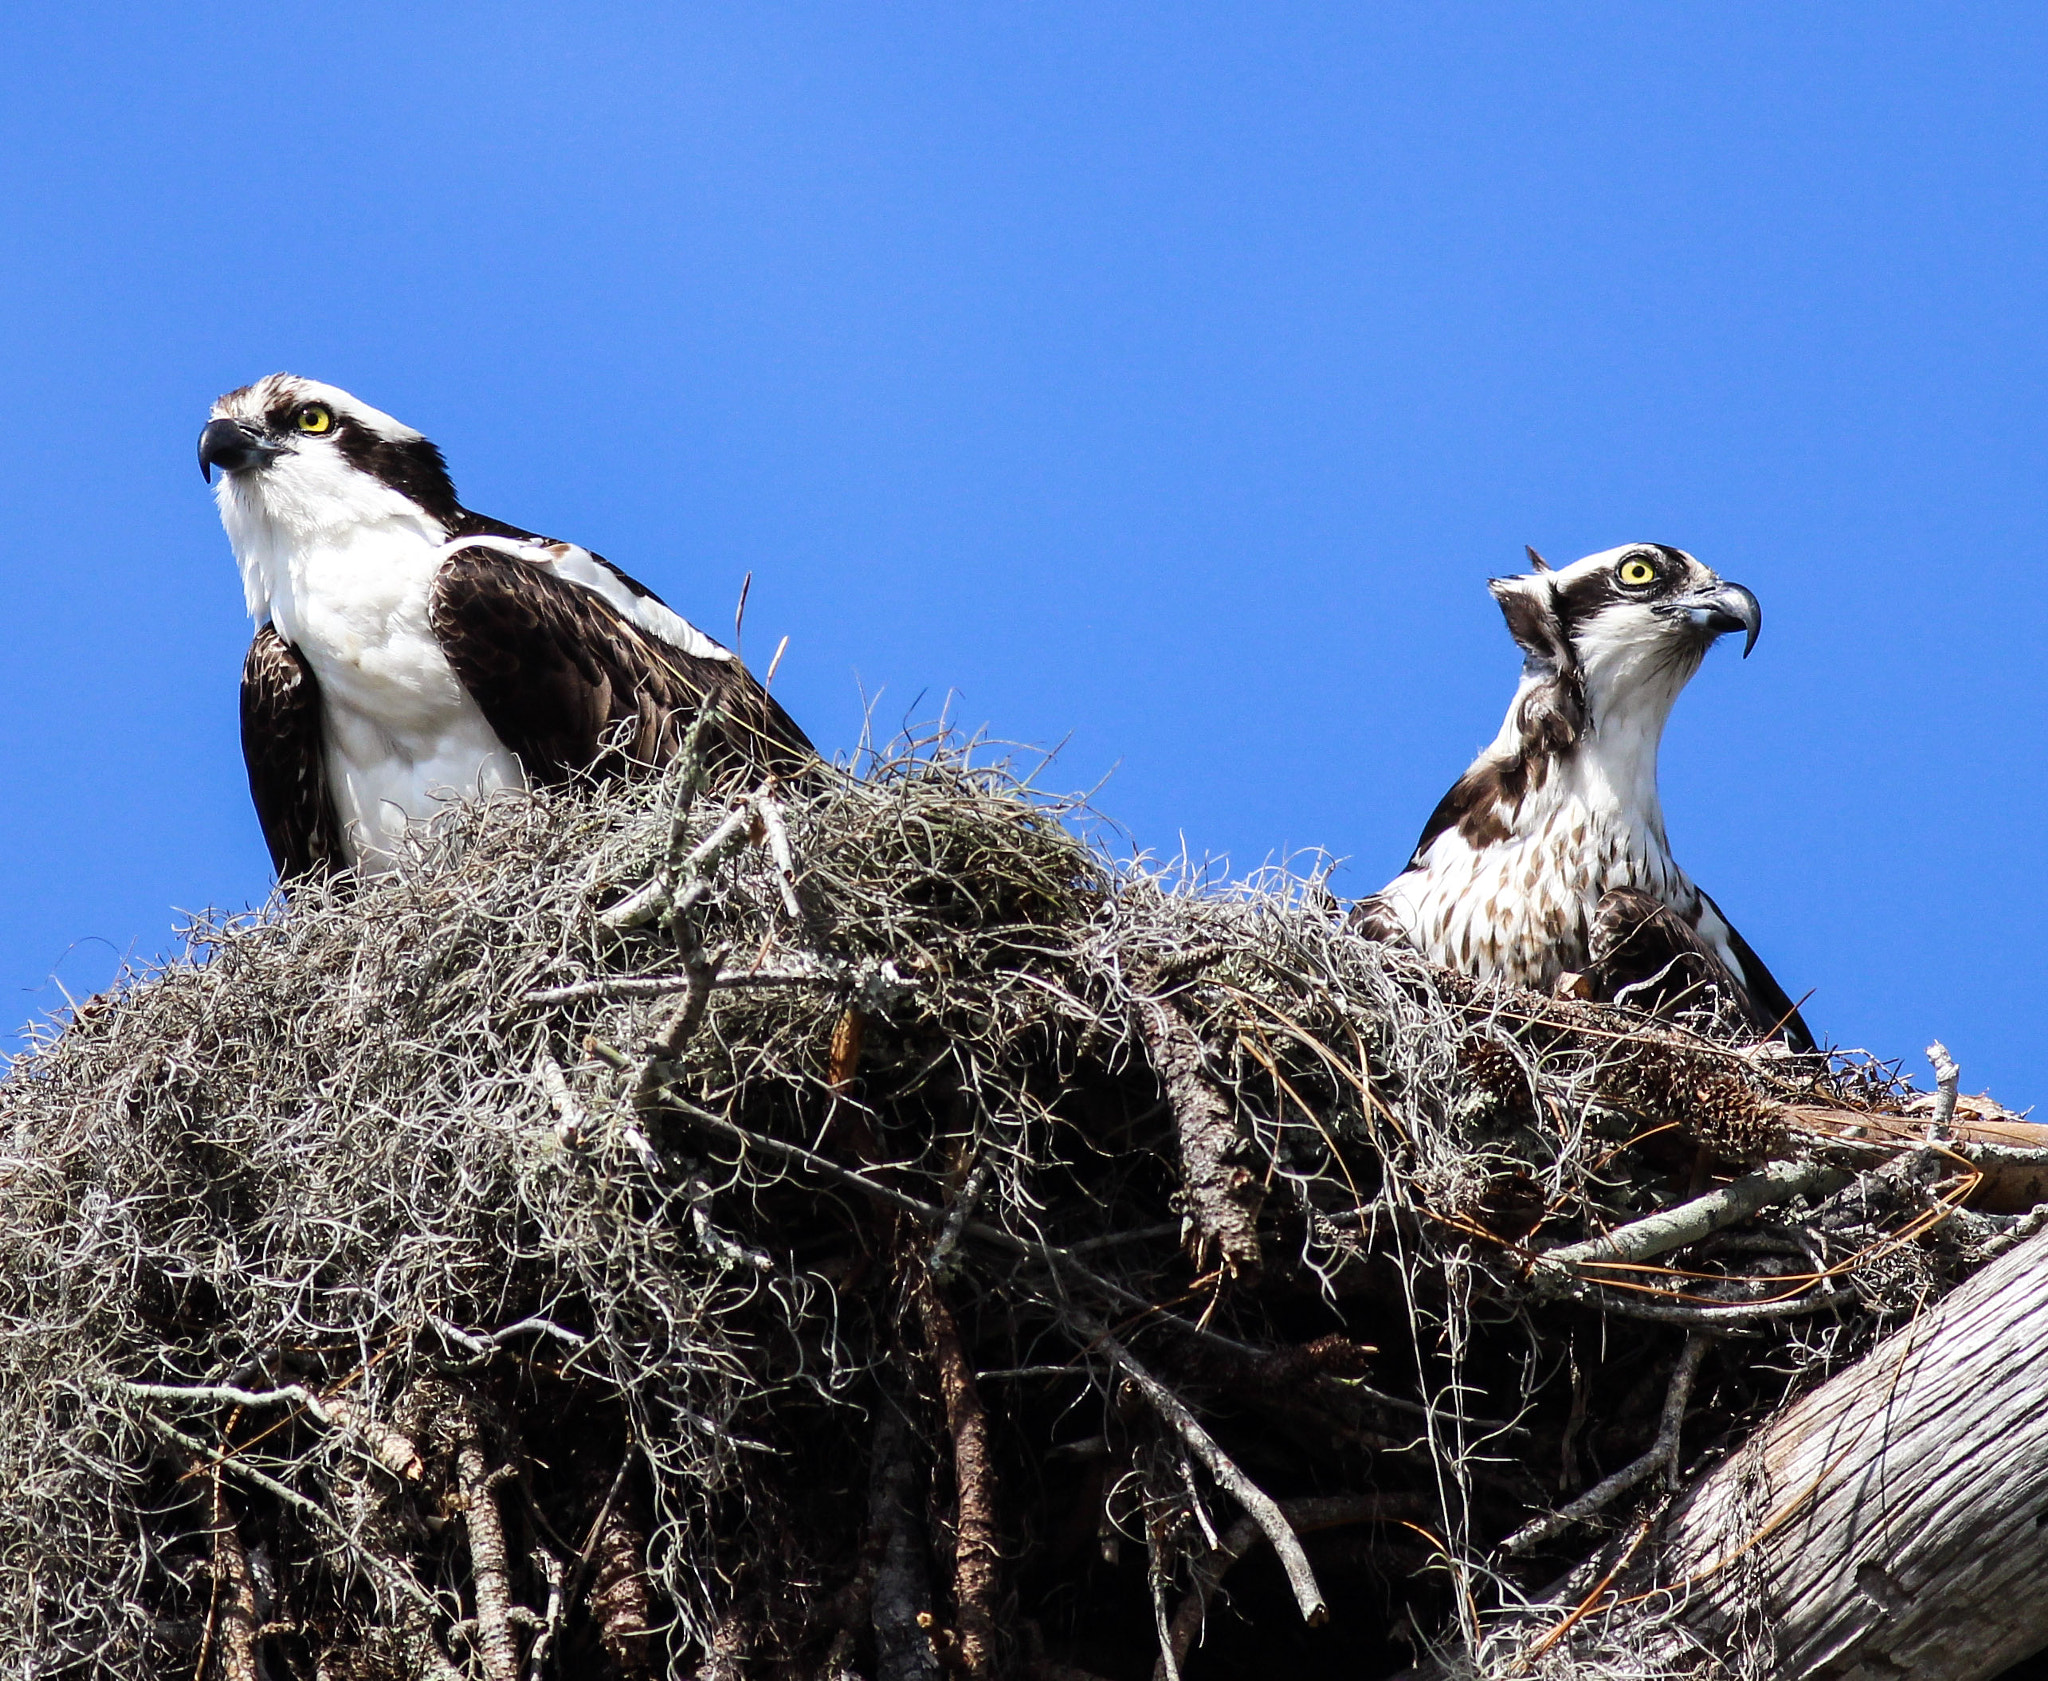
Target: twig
(237, 1467)
(239, 1619)
(1708, 1318)
(1050, 1253)
(1305, 1516)
(490, 1341)
(1255, 1500)
(770, 812)
(1662, 1455)
(1947, 1077)
(652, 898)
(588, 1551)
(1168, 1666)
(680, 1027)
(551, 1572)
(1673, 1228)
(939, 1263)
(692, 870)
(572, 1120)
(388, 1446)
(619, 1602)
(662, 986)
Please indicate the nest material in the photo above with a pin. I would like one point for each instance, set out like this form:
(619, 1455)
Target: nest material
(867, 1233)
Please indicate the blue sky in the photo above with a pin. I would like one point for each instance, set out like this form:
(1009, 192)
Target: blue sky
(1164, 379)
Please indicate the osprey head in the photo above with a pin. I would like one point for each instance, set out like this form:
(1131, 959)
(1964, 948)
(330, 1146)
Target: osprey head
(300, 454)
(1621, 631)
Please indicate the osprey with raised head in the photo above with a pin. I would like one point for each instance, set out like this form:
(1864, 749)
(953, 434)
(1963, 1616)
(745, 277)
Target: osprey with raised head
(1548, 855)
(409, 652)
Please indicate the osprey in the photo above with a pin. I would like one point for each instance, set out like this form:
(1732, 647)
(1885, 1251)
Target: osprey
(409, 651)
(1548, 856)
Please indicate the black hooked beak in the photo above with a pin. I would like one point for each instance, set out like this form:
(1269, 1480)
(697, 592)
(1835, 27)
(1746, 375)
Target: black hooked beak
(232, 445)
(1722, 609)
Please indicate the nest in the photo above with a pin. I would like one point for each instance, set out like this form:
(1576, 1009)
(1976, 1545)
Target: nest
(867, 1231)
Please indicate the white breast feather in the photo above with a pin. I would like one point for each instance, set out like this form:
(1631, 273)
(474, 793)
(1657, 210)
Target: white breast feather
(1521, 909)
(403, 738)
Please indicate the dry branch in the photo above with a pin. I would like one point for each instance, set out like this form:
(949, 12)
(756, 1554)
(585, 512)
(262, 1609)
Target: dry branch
(1598, 1258)
(977, 1550)
(1222, 1196)
(477, 1501)
(1258, 1505)
(235, 1584)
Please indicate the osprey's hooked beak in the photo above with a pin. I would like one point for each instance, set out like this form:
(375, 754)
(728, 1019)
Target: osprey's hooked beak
(1720, 610)
(232, 445)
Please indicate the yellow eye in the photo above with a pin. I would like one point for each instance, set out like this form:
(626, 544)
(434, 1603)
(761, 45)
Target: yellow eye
(1636, 573)
(313, 418)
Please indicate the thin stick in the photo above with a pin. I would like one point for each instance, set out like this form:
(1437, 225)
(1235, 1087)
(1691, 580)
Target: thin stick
(1662, 1456)
(661, 986)
(976, 1549)
(1688, 1222)
(496, 1644)
(1317, 1512)
(1258, 1504)
(1947, 1077)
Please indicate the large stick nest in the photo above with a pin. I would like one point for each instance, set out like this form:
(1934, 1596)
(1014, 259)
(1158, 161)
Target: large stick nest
(865, 1231)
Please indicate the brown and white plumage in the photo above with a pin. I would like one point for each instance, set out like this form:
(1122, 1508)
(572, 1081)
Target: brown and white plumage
(1549, 854)
(410, 651)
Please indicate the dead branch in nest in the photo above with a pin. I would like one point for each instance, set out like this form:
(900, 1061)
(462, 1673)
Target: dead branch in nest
(1304, 1517)
(1673, 1228)
(476, 1486)
(235, 1588)
(1259, 1506)
(1662, 1456)
(619, 1600)
(1222, 1196)
(976, 1548)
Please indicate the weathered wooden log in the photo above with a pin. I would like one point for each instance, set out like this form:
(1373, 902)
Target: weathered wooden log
(1894, 1522)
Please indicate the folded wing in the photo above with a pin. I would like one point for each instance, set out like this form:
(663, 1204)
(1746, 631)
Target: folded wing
(571, 683)
(1645, 953)
(282, 747)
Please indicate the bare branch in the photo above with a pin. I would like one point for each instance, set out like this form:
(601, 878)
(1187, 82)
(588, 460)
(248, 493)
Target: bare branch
(1259, 1505)
(1673, 1228)
(1662, 1456)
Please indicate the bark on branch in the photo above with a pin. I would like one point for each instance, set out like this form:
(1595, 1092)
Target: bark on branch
(1257, 1503)
(975, 1548)
(1222, 1196)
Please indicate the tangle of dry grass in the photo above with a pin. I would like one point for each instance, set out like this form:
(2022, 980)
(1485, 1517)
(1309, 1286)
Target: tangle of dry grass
(867, 1231)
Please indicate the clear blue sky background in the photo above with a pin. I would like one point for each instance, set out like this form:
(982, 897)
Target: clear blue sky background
(1168, 378)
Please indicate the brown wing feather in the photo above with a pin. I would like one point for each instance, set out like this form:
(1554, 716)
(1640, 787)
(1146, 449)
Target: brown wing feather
(570, 685)
(281, 744)
(1769, 1001)
(1640, 942)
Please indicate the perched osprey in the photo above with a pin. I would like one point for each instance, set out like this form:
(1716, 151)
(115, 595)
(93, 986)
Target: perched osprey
(409, 652)
(1548, 856)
